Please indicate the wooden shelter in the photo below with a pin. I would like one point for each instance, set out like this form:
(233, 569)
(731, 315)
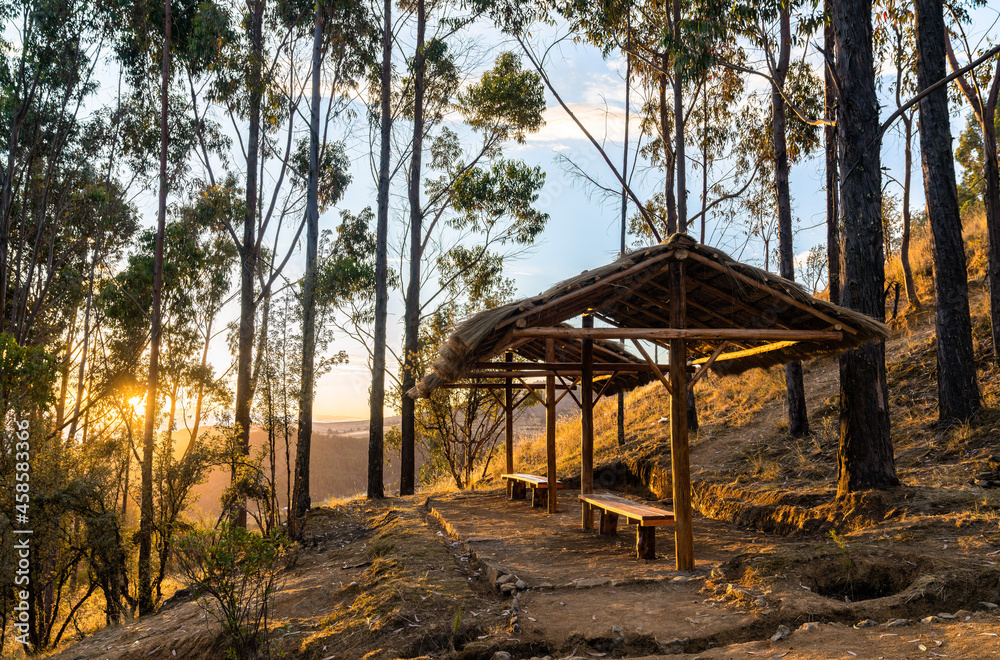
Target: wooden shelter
(708, 310)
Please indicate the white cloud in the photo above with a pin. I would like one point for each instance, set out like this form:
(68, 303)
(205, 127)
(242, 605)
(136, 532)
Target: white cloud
(605, 123)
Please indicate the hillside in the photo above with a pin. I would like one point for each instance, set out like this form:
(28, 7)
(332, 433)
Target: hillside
(784, 570)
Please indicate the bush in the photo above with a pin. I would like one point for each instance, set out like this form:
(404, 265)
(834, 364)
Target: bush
(236, 573)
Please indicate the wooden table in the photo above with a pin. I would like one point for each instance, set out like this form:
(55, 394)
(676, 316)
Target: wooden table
(646, 518)
(517, 483)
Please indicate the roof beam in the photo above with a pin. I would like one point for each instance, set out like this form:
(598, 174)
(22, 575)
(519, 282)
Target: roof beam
(773, 291)
(752, 334)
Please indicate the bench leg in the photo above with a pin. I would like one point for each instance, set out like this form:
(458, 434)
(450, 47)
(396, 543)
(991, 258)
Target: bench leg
(536, 497)
(645, 542)
(588, 516)
(609, 523)
(516, 490)
(510, 490)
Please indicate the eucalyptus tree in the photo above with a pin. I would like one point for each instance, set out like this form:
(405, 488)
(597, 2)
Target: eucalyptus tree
(958, 390)
(477, 201)
(982, 90)
(865, 455)
(793, 88)
(343, 50)
(894, 42)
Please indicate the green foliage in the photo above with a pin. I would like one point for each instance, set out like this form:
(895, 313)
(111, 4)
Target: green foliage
(27, 375)
(237, 573)
(334, 176)
(507, 101)
(508, 188)
(969, 154)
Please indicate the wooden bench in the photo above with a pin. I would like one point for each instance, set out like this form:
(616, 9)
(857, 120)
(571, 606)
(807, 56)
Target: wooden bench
(646, 518)
(517, 483)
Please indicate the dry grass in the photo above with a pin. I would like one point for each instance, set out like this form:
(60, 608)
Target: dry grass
(727, 401)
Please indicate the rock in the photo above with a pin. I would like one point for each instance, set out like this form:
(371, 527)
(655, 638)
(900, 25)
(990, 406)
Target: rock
(930, 619)
(501, 655)
(781, 633)
(945, 615)
(896, 623)
(963, 614)
(760, 602)
(521, 585)
(867, 623)
(504, 579)
(987, 605)
(807, 627)
(507, 588)
(586, 583)
(616, 630)
(674, 647)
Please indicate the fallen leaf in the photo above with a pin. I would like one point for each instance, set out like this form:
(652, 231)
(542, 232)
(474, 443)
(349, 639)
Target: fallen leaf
(921, 647)
(853, 653)
(597, 655)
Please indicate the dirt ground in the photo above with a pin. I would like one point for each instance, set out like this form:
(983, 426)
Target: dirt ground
(783, 568)
(415, 578)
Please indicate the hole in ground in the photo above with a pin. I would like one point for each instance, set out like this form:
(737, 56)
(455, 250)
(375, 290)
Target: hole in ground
(853, 579)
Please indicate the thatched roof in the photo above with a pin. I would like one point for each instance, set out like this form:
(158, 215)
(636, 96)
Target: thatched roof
(634, 292)
(455, 362)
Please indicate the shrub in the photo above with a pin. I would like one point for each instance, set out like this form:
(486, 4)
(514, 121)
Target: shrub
(236, 573)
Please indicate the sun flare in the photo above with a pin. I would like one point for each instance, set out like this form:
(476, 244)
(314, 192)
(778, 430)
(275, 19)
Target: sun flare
(138, 405)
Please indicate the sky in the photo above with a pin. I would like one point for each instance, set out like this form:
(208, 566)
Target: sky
(583, 229)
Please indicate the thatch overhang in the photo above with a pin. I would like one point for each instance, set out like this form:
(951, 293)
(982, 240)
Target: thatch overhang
(763, 320)
(615, 368)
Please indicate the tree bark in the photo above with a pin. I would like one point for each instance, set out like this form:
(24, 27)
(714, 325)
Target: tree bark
(798, 417)
(669, 158)
(679, 158)
(248, 261)
(991, 173)
(958, 391)
(985, 112)
(411, 339)
(913, 300)
(145, 585)
(304, 444)
(830, 146)
(376, 488)
(865, 458)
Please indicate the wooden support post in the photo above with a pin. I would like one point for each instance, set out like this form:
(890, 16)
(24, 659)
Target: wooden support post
(587, 423)
(645, 542)
(508, 409)
(550, 425)
(536, 497)
(679, 460)
(609, 523)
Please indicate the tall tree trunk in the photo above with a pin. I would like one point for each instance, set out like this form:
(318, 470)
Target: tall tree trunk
(679, 158)
(620, 397)
(985, 111)
(302, 449)
(913, 300)
(798, 417)
(411, 340)
(958, 391)
(669, 157)
(145, 587)
(248, 262)
(830, 147)
(865, 458)
(376, 488)
(991, 173)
